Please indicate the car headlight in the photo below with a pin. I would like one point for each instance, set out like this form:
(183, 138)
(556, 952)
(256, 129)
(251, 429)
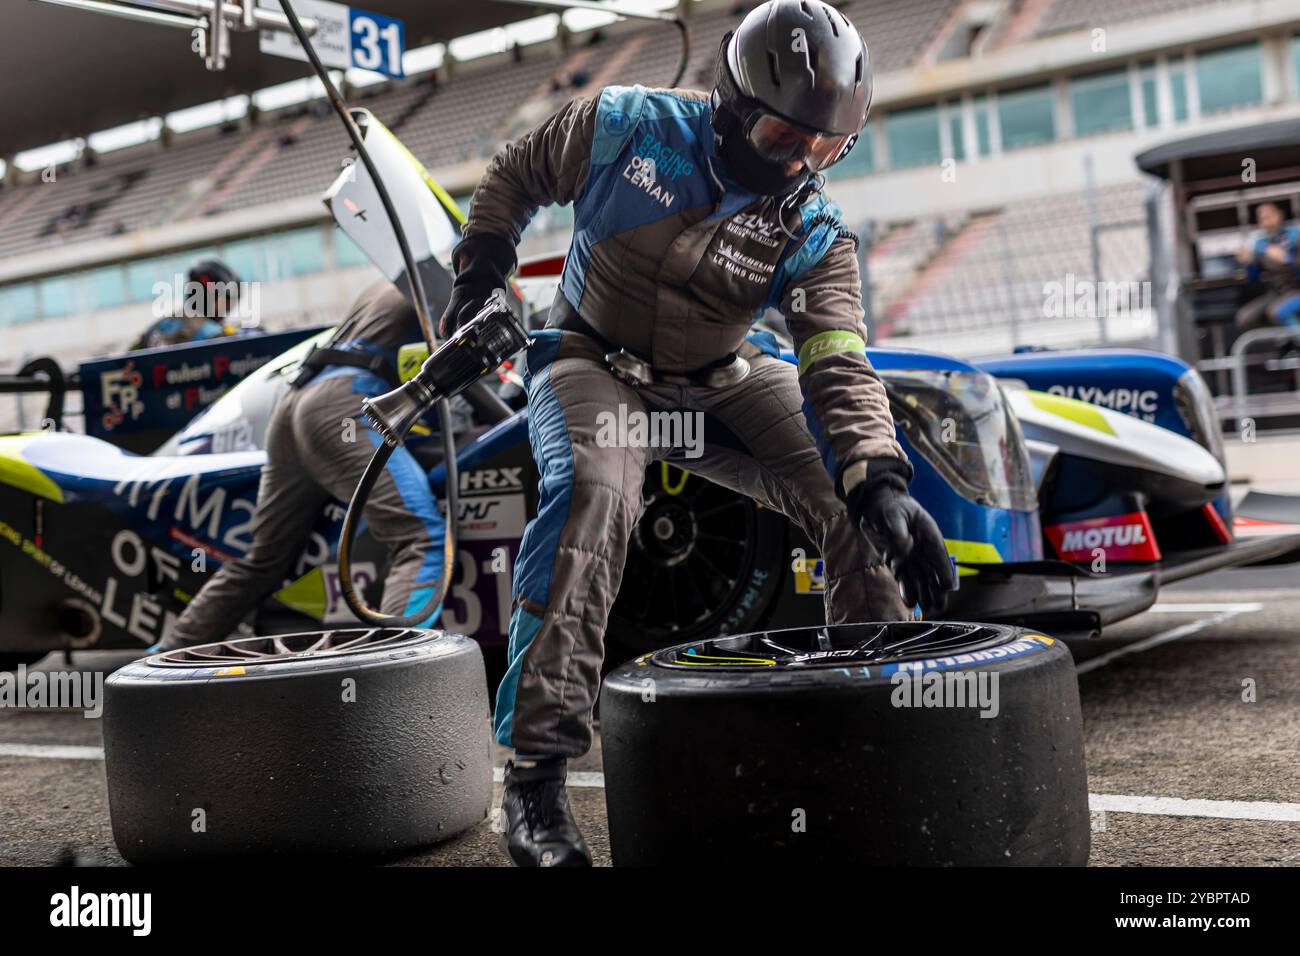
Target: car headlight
(1195, 406)
(960, 423)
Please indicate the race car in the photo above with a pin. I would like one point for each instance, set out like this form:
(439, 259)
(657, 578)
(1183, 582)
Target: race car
(1061, 513)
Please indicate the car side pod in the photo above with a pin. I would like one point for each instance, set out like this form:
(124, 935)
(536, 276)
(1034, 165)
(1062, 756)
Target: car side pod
(337, 743)
(895, 744)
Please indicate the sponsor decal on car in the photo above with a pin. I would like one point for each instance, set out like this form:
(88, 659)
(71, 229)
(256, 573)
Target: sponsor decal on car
(1141, 403)
(811, 578)
(492, 505)
(1126, 537)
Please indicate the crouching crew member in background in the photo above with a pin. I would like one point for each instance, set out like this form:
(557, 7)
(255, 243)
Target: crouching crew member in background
(310, 461)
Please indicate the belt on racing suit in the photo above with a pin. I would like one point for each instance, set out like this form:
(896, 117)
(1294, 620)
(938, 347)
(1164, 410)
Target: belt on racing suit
(635, 371)
(353, 353)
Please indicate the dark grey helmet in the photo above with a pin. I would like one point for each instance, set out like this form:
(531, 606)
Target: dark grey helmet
(803, 60)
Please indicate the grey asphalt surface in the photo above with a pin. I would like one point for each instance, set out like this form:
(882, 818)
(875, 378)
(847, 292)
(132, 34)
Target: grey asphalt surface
(1165, 721)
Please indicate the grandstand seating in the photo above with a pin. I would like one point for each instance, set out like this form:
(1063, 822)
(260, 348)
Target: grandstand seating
(993, 266)
(294, 152)
(1068, 14)
(964, 271)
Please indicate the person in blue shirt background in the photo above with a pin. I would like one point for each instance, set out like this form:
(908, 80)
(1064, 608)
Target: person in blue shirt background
(215, 291)
(1273, 260)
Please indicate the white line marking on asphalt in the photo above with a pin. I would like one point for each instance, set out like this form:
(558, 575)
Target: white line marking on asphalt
(52, 751)
(1178, 807)
(1110, 802)
(576, 778)
(1170, 608)
(1164, 637)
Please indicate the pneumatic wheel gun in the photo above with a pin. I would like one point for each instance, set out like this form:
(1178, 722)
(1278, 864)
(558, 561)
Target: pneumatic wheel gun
(476, 349)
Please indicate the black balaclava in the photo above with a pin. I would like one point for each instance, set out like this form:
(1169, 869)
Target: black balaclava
(743, 164)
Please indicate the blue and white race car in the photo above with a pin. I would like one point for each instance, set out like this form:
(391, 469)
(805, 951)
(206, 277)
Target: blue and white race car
(1069, 487)
(1062, 513)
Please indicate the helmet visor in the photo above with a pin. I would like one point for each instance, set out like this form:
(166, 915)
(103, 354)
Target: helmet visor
(780, 141)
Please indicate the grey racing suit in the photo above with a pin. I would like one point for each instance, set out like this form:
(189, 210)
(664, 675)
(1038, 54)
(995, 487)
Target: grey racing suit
(317, 446)
(672, 262)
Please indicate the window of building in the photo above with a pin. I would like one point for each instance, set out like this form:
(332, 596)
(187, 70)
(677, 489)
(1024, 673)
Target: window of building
(18, 303)
(1178, 88)
(104, 288)
(295, 253)
(860, 161)
(1150, 95)
(955, 133)
(247, 258)
(142, 274)
(58, 296)
(1230, 78)
(913, 137)
(984, 140)
(1101, 102)
(346, 252)
(1027, 116)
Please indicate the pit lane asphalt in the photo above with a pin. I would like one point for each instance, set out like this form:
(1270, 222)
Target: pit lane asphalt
(1165, 721)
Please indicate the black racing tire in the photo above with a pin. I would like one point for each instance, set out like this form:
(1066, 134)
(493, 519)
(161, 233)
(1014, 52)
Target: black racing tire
(349, 743)
(788, 748)
(717, 569)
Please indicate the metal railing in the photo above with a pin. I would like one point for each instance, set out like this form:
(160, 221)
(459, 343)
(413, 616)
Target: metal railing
(1241, 406)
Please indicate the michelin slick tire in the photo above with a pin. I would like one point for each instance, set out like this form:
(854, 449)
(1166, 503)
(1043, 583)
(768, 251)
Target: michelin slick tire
(794, 747)
(354, 742)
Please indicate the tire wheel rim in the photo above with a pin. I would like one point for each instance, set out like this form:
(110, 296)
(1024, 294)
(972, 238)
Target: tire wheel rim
(254, 651)
(838, 645)
(689, 558)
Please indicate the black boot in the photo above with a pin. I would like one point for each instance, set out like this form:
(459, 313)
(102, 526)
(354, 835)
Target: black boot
(539, 826)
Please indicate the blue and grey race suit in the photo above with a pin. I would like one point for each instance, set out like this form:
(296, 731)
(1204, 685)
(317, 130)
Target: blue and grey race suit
(673, 262)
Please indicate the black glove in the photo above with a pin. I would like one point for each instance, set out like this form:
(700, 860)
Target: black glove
(903, 533)
(482, 263)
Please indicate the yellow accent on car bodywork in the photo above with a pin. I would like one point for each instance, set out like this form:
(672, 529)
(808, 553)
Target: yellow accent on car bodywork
(18, 472)
(1073, 410)
(307, 594)
(972, 552)
(811, 578)
(409, 360)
